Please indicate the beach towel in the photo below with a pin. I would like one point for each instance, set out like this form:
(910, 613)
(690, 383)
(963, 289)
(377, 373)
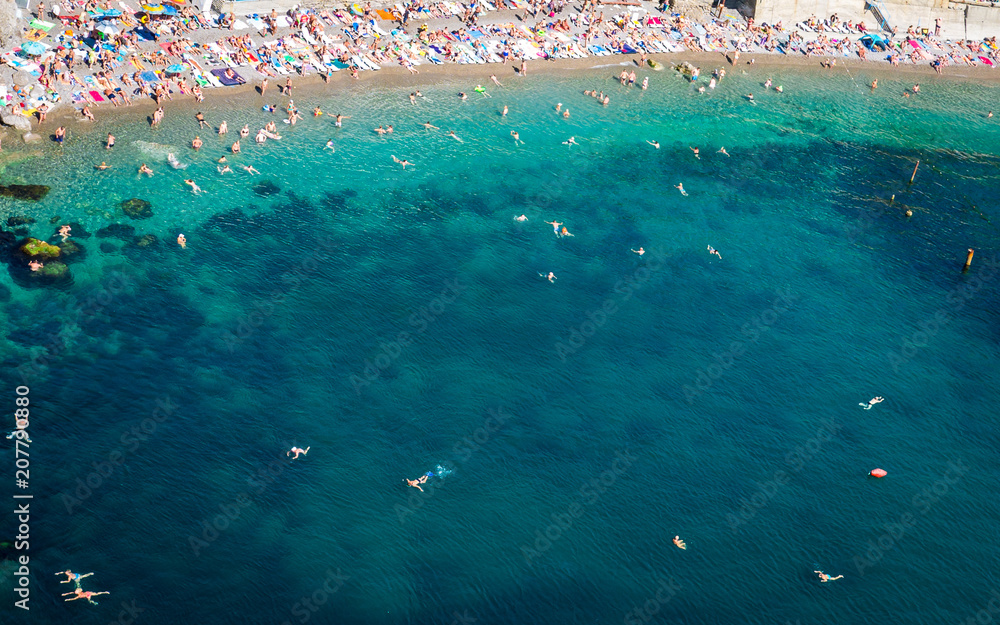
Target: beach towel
(96, 96)
(220, 74)
(35, 35)
(149, 76)
(382, 13)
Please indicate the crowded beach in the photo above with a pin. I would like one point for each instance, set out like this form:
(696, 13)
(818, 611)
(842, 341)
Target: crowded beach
(90, 54)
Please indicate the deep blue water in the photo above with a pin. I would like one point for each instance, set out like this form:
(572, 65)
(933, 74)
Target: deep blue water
(395, 321)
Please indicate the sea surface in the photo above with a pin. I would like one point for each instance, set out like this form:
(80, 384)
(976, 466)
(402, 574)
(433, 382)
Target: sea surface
(399, 322)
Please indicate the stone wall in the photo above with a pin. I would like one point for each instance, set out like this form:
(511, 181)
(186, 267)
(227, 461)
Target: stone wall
(8, 23)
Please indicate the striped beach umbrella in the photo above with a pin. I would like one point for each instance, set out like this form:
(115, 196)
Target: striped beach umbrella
(176, 68)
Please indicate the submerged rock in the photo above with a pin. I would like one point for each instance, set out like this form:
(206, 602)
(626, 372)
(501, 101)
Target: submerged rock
(79, 231)
(33, 192)
(117, 231)
(55, 220)
(146, 240)
(137, 209)
(39, 249)
(20, 220)
(53, 269)
(72, 252)
(4, 293)
(265, 188)
(108, 248)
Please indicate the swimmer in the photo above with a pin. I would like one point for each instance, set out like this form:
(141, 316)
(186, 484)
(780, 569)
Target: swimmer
(712, 250)
(645, 83)
(559, 106)
(875, 84)
(551, 277)
(417, 482)
(767, 84)
(402, 162)
(989, 115)
(723, 151)
(655, 144)
(261, 136)
(102, 166)
(388, 129)
(196, 143)
(380, 130)
(222, 159)
(79, 593)
(697, 154)
(35, 265)
(517, 137)
(64, 232)
(680, 543)
(429, 126)
(174, 162)
(223, 128)
(479, 89)
(15, 434)
(317, 112)
(872, 402)
(823, 577)
(250, 169)
(329, 146)
(566, 114)
(555, 226)
(224, 170)
(245, 131)
(339, 122)
(572, 141)
(145, 170)
(462, 96)
(779, 89)
(504, 113)
(110, 142)
(194, 187)
(72, 577)
(639, 251)
(451, 133)
(413, 98)
(201, 120)
(680, 187)
(182, 241)
(298, 451)
(521, 218)
(236, 148)
(564, 232)
(419, 95)
(496, 82)
(749, 97)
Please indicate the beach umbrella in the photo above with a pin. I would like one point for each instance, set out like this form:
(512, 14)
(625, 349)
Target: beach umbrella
(108, 29)
(176, 68)
(33, 48)
(159, 9)
(109, 14)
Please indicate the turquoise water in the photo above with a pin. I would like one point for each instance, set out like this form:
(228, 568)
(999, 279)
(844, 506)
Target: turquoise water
(395, 322)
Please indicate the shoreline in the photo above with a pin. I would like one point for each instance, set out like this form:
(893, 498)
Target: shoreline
(394, 77)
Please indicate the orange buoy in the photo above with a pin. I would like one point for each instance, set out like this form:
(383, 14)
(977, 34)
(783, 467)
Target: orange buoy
(877, 473)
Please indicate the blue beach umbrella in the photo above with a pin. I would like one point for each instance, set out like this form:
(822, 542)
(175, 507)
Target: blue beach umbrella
(176, 68)
(109, 14)
(33, 48)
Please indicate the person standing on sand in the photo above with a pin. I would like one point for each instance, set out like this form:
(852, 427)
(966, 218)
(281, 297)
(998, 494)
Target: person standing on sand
(263, 87)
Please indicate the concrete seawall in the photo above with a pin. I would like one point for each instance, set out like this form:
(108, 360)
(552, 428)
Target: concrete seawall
(958, 19)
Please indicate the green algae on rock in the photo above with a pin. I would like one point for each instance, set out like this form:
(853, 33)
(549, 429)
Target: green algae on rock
(39, 249)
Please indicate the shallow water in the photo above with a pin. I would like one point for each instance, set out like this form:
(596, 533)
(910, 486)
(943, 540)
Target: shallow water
(395, 321)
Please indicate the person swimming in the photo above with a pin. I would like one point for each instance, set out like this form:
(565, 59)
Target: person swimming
(402, 162)
(143, 169)
(723, 151)
(572, 141)
(194, 187)
(639, 251)
(555, 226)
(517, 137)
(551, 277)
(72, 577)
(451, 133)
(182, 241)
(872, 402)
(823, 577)
(250, 169)
(298, 451)
(14, 434)
(655, 144)
(680, 543)
(174, 162)
(79, 593)
(680, 187)
(521, 218)
(329, 146)
(712, 250)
